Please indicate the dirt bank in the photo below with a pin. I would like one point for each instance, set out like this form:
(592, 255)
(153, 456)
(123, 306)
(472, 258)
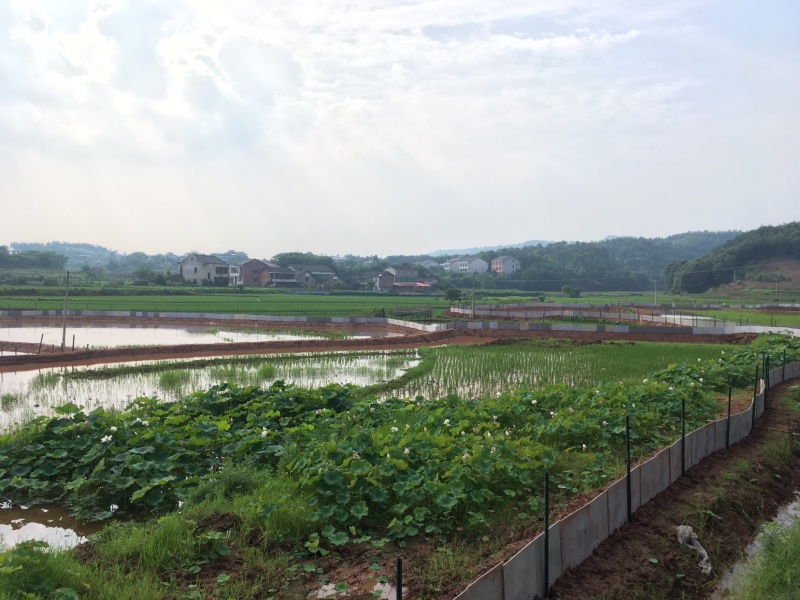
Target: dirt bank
(723, 499)
(54, 357)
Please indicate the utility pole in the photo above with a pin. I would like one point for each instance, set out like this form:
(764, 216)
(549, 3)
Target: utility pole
(64, 327)
(655, 291)
(473, 296)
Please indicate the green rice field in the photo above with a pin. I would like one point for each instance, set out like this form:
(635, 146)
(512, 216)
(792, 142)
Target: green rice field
(467, 371)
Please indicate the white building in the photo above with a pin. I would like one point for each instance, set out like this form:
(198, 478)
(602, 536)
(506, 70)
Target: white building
(199, 268)
(472, 264)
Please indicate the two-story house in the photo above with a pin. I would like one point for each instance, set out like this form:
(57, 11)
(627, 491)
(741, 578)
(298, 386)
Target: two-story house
(506, 265)
(251, 272)
(278, 276)
(402, 278)
(200, 268)
(472, 264)
(317, 277)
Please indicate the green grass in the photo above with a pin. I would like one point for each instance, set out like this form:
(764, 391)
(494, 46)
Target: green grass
(773, 572)
(753, 317)
(230, 303)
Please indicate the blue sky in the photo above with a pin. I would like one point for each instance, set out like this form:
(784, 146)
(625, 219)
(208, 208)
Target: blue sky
(383, 127)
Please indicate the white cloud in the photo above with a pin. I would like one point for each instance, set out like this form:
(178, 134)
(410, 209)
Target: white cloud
(328, 115)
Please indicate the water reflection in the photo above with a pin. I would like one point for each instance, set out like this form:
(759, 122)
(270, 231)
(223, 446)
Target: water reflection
(114, 336)
(45, 523)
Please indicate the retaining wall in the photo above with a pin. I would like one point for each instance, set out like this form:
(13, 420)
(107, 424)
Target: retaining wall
(574, 538)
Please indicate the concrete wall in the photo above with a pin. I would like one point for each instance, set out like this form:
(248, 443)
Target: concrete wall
(575, 537)
(430, 328)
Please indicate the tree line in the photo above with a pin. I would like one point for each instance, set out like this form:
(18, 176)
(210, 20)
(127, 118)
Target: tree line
(737, 258)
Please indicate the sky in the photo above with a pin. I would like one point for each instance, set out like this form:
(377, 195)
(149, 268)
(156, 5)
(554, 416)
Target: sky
(394, 126)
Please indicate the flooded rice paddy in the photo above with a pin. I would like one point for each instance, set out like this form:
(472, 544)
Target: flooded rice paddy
(122, 335)
(25, 395)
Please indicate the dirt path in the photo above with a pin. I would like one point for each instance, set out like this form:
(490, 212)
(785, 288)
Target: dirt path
(723, 499)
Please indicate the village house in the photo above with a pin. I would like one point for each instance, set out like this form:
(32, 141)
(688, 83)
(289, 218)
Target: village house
(202, 268)
(398, 279)
(278, 276)
(472, 264)
(318, 277)
(451, 264)
(251, 273)
(505, 264)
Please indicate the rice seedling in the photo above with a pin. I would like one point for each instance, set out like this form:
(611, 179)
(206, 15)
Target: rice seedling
(266, 372)
(45, 380)
(9, 400)
(174, 380)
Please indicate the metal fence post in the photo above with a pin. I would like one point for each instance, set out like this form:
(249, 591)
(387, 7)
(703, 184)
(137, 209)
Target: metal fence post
(755, 397)
(728, 422)
(546, 535)
(683, 436)
(399, 579)
(628, 462)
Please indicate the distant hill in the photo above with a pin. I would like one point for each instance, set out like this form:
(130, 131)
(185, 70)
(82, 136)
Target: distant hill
(615, 263)
(98, 257)
(739, 257)
(478, 249)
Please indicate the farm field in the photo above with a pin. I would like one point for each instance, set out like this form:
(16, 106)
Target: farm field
(480, 371)
(251, 302)
(771, 318)
(259, 301)
(286, 489)
(468, 371)
(25, 395)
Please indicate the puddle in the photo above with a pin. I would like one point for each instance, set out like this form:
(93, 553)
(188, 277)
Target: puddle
(45, 523)
(787, 517)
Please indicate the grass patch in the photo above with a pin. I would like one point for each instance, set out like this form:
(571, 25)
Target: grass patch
(773, 570)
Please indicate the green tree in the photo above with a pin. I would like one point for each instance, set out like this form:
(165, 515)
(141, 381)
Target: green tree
(453, 294)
